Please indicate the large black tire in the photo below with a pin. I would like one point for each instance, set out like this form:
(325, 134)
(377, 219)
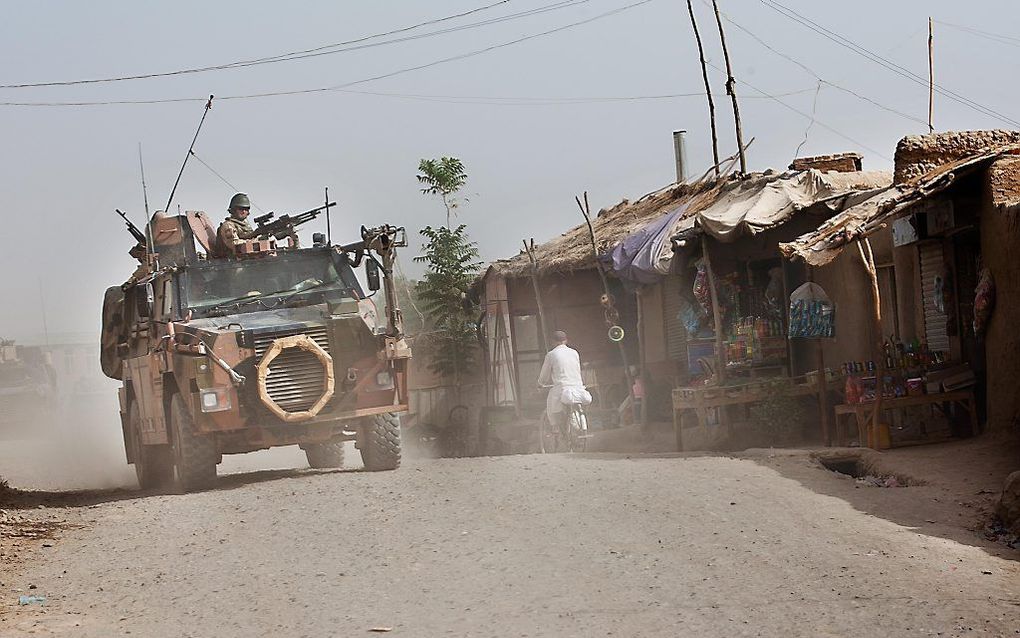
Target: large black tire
(323, 456)
(380, 442)
(154, 465)
(195, 456)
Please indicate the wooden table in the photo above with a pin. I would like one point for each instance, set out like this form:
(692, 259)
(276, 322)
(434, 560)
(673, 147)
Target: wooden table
(860, 411)
(700, 400)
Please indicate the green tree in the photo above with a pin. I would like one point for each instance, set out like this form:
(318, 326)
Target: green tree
(443, 177)
(442, 294)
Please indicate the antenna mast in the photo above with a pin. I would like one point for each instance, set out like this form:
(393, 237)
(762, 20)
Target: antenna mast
(208, 105)
(145, 192)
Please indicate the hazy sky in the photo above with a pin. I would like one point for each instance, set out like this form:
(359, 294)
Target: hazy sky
(511, 114)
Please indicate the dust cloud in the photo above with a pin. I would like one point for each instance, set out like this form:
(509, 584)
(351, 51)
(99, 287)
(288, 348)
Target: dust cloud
(74, 442)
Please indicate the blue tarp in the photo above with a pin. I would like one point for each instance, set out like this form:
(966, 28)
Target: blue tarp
(635, 260)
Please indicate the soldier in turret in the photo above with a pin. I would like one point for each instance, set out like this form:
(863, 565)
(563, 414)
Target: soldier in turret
(234, 228)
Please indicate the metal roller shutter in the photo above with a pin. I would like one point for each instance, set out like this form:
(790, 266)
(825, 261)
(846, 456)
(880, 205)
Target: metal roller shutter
(676, 335)
(935, 322)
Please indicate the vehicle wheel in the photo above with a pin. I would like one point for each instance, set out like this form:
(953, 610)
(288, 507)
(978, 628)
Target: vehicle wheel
(195, 456)
(324, 456)
(380, 442)
(154, 464)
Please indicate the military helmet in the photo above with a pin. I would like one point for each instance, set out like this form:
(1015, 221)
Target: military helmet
(239, 200)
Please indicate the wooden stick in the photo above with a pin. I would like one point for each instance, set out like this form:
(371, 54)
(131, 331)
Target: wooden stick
(720, 359)
(868, 258)
(823, 396)
(931, 76)
(530, 250)
(641, 354)
(586, 211)
(731, 88)
(708, 88)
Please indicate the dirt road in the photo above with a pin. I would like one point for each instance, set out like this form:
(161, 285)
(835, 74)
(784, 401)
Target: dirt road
(511, 546)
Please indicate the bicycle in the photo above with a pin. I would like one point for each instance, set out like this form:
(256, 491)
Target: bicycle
(571, 431)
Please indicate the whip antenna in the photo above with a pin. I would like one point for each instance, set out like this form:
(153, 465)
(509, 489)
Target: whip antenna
(208, 105)
(145, 192)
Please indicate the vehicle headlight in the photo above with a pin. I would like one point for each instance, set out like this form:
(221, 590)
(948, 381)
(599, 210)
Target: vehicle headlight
(215, 399)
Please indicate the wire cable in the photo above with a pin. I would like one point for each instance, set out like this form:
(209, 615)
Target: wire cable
(807, 131)
(885, 63)
(346, 85)
(988, 35)
(224, 180)
(818, 77)
(807, 116)
(329, 49)
(454, 58)
(444, 99)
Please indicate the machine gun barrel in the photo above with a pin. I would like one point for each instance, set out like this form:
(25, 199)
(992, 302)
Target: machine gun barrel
(285, 225)
(137, 234)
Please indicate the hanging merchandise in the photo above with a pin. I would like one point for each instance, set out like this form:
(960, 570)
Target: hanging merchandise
(812, 314)
(774, 292)
(689, 316)
(984, 301)
(701, 289)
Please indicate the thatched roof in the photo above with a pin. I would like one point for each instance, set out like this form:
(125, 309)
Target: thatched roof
(572, 250)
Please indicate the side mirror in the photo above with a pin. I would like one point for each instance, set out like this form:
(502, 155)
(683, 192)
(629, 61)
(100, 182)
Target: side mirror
(372, 274)
(145, 299)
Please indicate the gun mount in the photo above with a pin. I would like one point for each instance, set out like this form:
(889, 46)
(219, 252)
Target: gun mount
(285, 226)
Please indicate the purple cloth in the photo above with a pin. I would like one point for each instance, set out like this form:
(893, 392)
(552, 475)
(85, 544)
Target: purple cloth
(633, 260)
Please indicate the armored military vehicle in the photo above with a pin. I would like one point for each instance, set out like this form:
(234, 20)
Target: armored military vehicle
(275, 345)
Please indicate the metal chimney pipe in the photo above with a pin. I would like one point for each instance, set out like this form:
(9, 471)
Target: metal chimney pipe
(680, 154)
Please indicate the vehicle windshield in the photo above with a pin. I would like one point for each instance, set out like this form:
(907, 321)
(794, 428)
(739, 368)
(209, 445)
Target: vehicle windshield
(306, 276)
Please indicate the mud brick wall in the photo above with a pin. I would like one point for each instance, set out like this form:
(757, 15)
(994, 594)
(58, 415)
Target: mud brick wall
(842, 162)
(918, 154)
(1000, 240)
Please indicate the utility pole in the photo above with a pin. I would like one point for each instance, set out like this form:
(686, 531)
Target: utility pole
(731, 88)
(931, 76)
(708, 88)
(42, 306)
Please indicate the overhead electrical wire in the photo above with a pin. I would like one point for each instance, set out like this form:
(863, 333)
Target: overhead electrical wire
(329, 49)
(460, 56)
(988, 35)
(346, 85)
(845, 42)
(806, 116)
(818, 77)
(491, 100)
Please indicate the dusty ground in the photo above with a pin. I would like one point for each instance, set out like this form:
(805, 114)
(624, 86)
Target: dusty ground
(553, 545)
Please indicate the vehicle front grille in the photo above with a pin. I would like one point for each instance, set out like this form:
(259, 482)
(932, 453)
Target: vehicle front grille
(295, 380)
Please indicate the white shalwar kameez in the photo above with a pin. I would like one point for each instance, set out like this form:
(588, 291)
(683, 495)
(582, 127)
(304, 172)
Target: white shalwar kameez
(562, 370)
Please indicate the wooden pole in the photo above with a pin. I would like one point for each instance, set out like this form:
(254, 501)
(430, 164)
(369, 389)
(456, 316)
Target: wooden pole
(708, 87)
(720, 358)
(868, 257)
(823, 384)
(641, 356)
(731, 88)
(586, 212)
(530, 250)
(823, 396)
(931, 76)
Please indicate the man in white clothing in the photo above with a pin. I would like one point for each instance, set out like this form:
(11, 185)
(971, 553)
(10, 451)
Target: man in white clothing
(561, 372)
